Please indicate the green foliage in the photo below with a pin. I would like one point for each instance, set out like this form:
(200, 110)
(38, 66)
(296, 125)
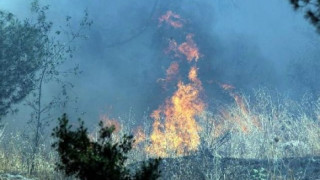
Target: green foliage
(21, 51)
(100, 160)
(31, 52)
(148, 170)
(311, 8)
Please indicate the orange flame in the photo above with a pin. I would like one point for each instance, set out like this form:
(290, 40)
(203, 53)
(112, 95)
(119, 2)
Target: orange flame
(193, 75)
(172, 19)
(240, 103)
(179, 134)
(236, 118)
(188, 48)
(171, 73)
(245, 117)
(139, 136)
(107, 122)
(173, 69)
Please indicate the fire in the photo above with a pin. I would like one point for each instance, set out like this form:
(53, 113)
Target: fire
(179, 134)
(193, 75)
(172, 19)
(237, 119)
(188, 48)
(239, 100)
(244, 119)
(173, 47)
(173, 69)
(107, 122)
(175, 130)
(240, 103)
(171, 74)
(139, 136)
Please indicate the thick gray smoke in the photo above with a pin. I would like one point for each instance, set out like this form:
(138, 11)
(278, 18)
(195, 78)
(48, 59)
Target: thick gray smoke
(248, 44)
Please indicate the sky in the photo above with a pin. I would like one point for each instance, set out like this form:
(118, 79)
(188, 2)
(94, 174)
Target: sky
(249, 44)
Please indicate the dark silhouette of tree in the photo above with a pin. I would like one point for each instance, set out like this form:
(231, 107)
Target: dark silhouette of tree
(311, 8)
(305, 72)
(102, 159)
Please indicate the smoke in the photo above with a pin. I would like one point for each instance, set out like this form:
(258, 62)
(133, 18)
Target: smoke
(248, 44)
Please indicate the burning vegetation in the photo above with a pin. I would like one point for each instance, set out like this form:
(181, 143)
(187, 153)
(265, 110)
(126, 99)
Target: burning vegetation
(245, 120)
(184, 123)
(175, 129)
(181, 123)
(187, 49)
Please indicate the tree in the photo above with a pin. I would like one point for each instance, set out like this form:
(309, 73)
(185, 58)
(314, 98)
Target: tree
(31, 52)
(57, 47)
(305, 73)
(99, 160)
(21, 51)
(311, 8)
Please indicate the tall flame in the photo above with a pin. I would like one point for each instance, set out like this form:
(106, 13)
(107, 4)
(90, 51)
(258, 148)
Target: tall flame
(179, 134)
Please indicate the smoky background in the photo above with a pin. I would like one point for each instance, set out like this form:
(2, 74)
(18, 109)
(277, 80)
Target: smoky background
(248, 44)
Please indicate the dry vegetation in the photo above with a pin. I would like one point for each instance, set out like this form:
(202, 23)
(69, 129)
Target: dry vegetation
(265, 137)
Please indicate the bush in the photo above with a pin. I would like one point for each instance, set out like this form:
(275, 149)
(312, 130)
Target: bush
(99, 160)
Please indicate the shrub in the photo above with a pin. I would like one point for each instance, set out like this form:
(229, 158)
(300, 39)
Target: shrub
(99, 160)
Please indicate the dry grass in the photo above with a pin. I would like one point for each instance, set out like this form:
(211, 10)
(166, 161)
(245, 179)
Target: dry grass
(15, 158)
(268, 129)
(263, 127)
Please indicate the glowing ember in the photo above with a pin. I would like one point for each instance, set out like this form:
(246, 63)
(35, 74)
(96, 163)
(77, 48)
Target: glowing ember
(179, 134)
(172, 19)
